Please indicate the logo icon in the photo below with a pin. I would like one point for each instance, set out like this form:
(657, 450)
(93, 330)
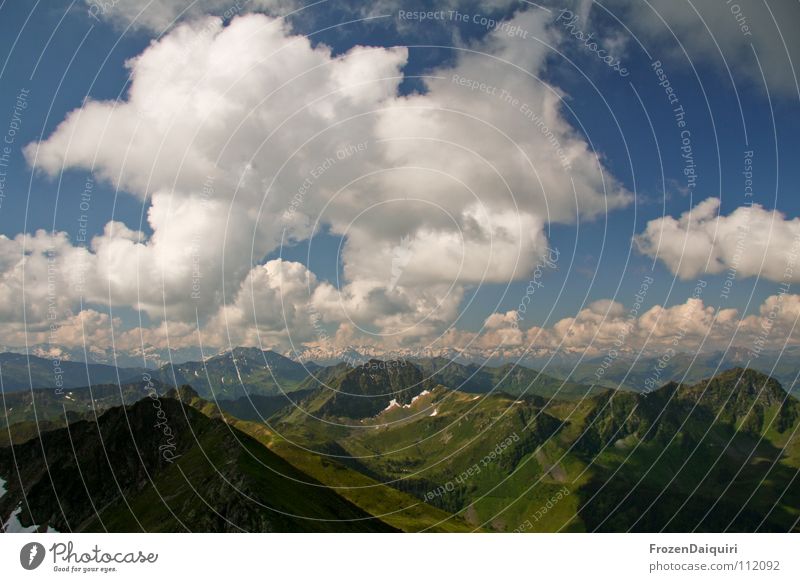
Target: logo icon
(31, 555)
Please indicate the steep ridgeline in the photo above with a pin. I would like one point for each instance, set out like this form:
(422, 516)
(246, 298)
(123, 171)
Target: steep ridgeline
(719, 455)
(29, 412)
(160, 466)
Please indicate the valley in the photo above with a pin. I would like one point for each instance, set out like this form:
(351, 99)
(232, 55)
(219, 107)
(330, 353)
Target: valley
(431, 445)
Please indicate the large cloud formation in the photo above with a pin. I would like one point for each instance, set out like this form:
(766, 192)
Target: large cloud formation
(245, 136)
(751, 241)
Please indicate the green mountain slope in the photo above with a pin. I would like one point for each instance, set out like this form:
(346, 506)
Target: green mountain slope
(387, 440)
(615, 461)
(113, 475)
(396, 508)
(718, 455)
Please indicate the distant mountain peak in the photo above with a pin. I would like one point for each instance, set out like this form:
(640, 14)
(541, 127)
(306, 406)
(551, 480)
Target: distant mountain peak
(363, 391)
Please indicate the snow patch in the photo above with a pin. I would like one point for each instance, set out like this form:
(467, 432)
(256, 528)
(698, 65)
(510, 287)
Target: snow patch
(417, 397)
(435, 412)
(476, 397)
(393, 403)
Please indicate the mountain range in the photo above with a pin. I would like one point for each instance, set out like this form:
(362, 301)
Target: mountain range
(23, 372)
(390, 446)
(239, 372)
(270, 372)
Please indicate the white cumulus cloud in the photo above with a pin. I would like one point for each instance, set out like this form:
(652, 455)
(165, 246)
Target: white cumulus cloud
(243, 136)
(751, 241)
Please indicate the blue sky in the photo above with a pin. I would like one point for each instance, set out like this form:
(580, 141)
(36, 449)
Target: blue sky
(61, 56)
